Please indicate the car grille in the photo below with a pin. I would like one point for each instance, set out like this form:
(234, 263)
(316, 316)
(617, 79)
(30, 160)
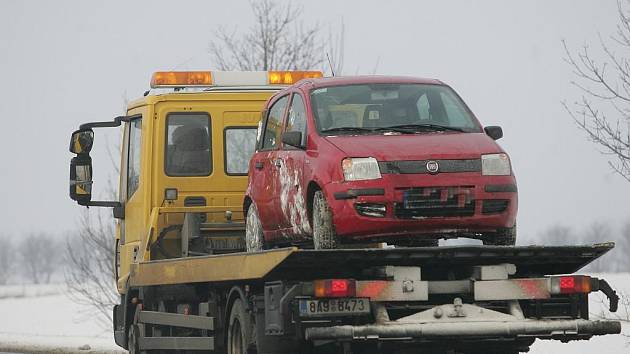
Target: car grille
(420, 166)
(422, 202)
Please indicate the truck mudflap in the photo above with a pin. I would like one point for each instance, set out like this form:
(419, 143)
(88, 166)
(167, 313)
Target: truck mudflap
(465, 321)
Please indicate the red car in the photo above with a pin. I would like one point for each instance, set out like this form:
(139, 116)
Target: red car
(376, 159)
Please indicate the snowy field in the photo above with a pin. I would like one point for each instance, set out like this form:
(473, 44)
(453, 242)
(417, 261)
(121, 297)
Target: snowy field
(42, 319)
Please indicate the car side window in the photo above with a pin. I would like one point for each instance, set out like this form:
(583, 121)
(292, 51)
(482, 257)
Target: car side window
(296, 122)
(273, 125)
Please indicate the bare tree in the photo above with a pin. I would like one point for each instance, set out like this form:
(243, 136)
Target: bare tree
(278, 40)
(90, 273)
(7, 258)
(598, 232)
(39, 257)
(603, 111)
(622, 249)
(557, 235)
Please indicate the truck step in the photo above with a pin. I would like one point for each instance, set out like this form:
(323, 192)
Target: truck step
(173, 343)
(175, 319)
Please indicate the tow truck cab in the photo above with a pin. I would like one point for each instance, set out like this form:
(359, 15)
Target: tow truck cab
(186, 146)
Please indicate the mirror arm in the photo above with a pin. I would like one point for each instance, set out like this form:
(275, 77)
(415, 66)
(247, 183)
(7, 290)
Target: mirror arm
(115, 123)
(119, 208)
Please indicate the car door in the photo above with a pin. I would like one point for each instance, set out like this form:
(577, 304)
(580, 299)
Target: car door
(293, 218)
(264, 173)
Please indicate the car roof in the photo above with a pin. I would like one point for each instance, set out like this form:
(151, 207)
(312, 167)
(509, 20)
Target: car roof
(372, 79)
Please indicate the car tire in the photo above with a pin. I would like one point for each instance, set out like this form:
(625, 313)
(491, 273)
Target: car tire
(254, 238)
(324, 236)
(503, 237)
(239, 336)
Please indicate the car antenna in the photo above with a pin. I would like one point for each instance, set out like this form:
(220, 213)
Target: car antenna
(332, 71)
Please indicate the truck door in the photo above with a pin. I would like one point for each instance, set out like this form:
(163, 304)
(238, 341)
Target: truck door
(293, 218)
(132, 194)
(264, 179)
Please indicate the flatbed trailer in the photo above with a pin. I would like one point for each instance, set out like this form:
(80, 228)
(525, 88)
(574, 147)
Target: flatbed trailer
(491, 299)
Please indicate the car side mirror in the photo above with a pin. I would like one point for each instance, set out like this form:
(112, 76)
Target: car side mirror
(495, 132)
(81, 179)
(81, 141)
(293, 139)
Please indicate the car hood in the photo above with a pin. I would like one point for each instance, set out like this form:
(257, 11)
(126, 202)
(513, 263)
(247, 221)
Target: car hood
(438, 145)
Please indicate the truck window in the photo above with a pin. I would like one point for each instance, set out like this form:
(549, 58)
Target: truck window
(273, 125)
(296, 121)
(240, 143)
(188, 144)
(133, 164)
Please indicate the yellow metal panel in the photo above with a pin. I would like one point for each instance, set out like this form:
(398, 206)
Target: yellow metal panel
(232, 267)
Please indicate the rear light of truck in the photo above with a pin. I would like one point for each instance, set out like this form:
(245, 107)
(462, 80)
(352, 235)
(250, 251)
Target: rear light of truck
(335, 288)
(574, 284)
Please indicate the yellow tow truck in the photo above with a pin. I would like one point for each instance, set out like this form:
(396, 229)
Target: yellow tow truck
(186, 284)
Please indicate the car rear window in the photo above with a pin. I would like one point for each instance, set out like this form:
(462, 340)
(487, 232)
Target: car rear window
(240, 143)
(188, 144)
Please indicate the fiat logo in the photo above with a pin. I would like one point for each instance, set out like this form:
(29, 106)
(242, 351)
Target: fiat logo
(432, 166)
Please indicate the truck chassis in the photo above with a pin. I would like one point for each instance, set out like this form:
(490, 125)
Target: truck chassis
(464, 299)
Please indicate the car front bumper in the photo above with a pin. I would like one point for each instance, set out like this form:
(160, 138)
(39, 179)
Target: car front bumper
(443, 205)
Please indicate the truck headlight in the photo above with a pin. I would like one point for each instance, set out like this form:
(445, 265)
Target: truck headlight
(495, 165)
(360, 168)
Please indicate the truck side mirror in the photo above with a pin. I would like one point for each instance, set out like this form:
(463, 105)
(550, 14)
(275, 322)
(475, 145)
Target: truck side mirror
(293, 139)
(81, 141)
(81, 179)
(495, 132)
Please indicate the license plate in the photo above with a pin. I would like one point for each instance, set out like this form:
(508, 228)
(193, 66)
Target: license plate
(334, 307)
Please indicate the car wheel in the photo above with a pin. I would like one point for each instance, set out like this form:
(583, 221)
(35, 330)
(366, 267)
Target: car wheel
(503, 237)
(254, 239)
(324, 236)
(239, 330)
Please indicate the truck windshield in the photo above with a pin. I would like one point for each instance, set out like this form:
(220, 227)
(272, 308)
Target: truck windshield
(378, 108)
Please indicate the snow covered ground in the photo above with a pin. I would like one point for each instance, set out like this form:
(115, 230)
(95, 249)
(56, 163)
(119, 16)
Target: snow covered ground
(42, 319)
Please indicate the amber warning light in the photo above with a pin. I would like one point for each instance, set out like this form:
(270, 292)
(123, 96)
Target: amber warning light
(229, 78)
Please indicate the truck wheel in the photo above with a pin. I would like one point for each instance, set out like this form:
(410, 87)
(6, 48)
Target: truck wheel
(239, 329)
(324, 236)
(254, 239)
(503, 237)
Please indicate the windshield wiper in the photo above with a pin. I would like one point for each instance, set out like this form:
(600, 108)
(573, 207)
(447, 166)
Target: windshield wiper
(417, 127)
(396, 129)
(347, 129)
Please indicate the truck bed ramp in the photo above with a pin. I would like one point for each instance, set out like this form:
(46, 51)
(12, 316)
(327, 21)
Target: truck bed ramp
(293, 263)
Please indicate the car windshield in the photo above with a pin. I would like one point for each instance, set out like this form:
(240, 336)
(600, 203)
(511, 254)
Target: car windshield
(380, 108)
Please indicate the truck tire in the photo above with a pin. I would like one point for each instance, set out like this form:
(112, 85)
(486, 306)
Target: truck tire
(324, 236)
(254, 239)
(239, 334)
(503, 237)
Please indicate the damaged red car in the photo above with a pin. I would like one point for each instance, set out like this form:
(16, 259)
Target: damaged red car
(376, 159)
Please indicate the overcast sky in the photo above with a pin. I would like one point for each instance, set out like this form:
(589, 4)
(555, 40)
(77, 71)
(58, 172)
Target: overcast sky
(67, 62)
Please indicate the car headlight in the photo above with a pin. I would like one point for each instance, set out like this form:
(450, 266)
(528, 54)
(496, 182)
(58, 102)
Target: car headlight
(360, 168)
(495, 165)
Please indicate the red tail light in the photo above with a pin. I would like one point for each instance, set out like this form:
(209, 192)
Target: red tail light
(571, 284)
(335, 288)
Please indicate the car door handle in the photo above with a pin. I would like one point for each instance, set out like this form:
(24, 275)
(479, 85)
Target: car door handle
(259, 165)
